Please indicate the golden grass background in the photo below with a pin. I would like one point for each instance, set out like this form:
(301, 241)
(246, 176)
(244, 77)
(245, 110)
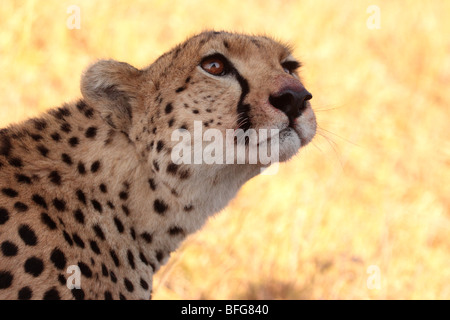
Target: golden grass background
(373, 188)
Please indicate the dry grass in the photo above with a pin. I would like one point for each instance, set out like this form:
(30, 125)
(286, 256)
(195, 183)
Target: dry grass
(374, 189)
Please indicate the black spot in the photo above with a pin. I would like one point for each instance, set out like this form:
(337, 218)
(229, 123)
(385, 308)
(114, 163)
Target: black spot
(91, 132)
(59, 204)
(9, 249)
(184, 174)
(143, 258)
(159, 146)
(89, 113)
(180, 89)
(16, 162)
(6, 279)
(99, 232)
(27, 235)
(66, 159)
(113, 277)
(110, 205)
(119, 224)
(4, 215)
(74, 141)
(195, 111)
(172, 168)
(78, 241)
(128, 285)
(131, 259)
(34, 266)
(48, 221)
(187, 80)
(147, 237)
(171, 122)
(62, 280)
(226, 44)
(104, 270)
(85, 270)
(159, 255)
(10, 192)
(67, 238)
(125, 210)
(81, 105)
(66, 127)
(43, 150)
(78, 294)
(5, 145)
(81, 168)
(103, 188)
(144, 284)
(97, 206)
(133, 233)
(160, 206)
(21, 178)
(152, 184)
(174, 231)
(25, 294)
(188, 208)
(52, 294)
(36, 137)
(39, 201)
(114, 257)
(168, 108)
(123, 195)
(55, 136)
(55, 178)
(58, 258)
(39, 124)
(156, 165)
(20, 206)
(95, 166)
(81, 196)
(79, 216)
(122, 297)
(94, 247)
(108, 295)
(60, 113)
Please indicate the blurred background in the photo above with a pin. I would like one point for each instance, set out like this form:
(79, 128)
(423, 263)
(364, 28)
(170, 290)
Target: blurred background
(361, 213)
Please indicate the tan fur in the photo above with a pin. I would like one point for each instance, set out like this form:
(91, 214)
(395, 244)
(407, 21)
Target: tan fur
(104, 162)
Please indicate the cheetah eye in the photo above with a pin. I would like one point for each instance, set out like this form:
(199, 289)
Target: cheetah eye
(290, 66)
(215, 65)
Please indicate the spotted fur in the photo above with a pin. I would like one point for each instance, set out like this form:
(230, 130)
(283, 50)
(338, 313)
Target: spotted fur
(92, 184)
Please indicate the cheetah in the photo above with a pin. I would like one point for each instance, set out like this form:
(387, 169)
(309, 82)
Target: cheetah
(90, 189)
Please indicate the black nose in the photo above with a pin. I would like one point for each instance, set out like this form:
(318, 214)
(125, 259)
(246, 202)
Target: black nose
(291, 102)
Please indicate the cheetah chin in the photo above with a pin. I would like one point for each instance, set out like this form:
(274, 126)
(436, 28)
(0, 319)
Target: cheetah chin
(91, 202)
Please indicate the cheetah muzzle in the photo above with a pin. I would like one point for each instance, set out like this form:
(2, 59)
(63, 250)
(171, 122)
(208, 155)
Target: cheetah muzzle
(90, 192)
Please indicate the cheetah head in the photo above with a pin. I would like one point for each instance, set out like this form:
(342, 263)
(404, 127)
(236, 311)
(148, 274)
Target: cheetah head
(218, 80)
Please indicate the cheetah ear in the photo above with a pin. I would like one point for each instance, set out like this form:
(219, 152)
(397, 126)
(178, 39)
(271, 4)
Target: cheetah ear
(112, 88)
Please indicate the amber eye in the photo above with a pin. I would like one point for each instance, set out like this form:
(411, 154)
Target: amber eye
(215, 65)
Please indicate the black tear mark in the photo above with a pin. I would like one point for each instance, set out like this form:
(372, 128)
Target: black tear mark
(243, 108)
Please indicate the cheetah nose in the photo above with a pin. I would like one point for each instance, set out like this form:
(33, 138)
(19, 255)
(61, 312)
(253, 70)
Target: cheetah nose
(291, 102)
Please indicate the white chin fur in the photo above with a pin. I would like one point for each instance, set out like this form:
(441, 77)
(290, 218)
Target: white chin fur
(289, 144)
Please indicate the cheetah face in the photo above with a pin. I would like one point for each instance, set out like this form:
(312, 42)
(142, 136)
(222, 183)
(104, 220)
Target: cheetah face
(250, 83)
(221, 80)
